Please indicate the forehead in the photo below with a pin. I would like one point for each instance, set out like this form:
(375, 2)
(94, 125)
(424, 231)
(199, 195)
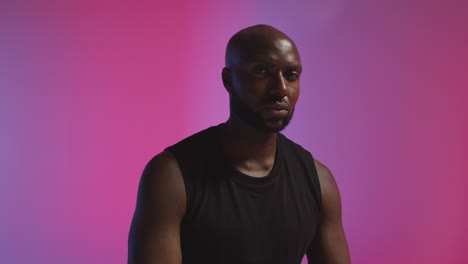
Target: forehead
(274, 51)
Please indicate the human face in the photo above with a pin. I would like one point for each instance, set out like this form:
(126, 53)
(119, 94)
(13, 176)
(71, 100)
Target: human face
(265, 85)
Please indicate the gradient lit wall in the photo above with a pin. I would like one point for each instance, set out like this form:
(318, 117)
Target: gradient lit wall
(91, 90)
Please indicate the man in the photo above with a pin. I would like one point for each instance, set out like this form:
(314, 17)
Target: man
(241, 192)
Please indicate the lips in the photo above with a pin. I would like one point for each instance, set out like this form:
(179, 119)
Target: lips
(276, 111)
(277, 107)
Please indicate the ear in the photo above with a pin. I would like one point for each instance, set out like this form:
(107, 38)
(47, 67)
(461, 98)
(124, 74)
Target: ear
(227, 79)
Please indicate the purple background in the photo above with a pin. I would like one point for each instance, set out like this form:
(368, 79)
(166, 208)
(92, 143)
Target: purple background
(91, 90)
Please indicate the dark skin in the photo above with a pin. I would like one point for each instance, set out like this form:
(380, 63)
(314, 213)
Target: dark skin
(262, 75)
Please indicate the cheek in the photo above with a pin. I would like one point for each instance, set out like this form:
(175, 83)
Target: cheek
(252, 90)
(294, 95)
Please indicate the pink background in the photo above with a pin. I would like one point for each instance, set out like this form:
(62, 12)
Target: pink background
(91, 90)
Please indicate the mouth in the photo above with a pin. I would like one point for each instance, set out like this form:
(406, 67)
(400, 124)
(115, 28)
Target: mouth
(277, 107)
(276, 111)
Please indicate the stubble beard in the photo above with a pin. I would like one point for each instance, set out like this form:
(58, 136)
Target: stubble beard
(254, 118)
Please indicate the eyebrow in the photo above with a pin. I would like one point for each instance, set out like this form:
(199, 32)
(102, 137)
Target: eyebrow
(295, 67)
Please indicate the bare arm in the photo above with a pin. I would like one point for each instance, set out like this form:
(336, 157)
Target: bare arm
(330, 245)
(155, 230)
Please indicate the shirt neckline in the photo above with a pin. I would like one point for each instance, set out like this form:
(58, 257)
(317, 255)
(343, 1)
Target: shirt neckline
(242, 178)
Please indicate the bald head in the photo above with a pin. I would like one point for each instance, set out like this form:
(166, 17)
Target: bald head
(262, 77)
(251, 40)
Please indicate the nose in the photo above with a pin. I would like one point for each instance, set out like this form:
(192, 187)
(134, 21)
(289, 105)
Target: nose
(279, 87)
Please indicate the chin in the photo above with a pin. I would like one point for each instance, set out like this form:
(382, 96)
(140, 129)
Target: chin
(274, 127)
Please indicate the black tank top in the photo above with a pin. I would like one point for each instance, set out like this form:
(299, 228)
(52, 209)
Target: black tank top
(235, 218)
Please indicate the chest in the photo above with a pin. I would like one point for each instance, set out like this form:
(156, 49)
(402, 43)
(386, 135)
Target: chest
(252, 224)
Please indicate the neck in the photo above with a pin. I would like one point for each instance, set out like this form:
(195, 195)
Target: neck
(248, 149)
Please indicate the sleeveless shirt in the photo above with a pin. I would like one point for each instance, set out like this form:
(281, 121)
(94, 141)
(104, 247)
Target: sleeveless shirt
(235, 218)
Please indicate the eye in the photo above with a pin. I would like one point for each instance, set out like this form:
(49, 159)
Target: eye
(291, 76)
(260, 69)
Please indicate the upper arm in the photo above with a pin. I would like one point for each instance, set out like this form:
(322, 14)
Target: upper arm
(155, 230)
(330, 245)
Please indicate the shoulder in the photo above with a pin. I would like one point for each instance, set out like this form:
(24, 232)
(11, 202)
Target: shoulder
(155, 227)
(330, 245)
(163, 165)
(324, 173)
(193, 151)
(161, 184)
(292, 147)
(196, 139)
(331, 200)
(328, 187)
